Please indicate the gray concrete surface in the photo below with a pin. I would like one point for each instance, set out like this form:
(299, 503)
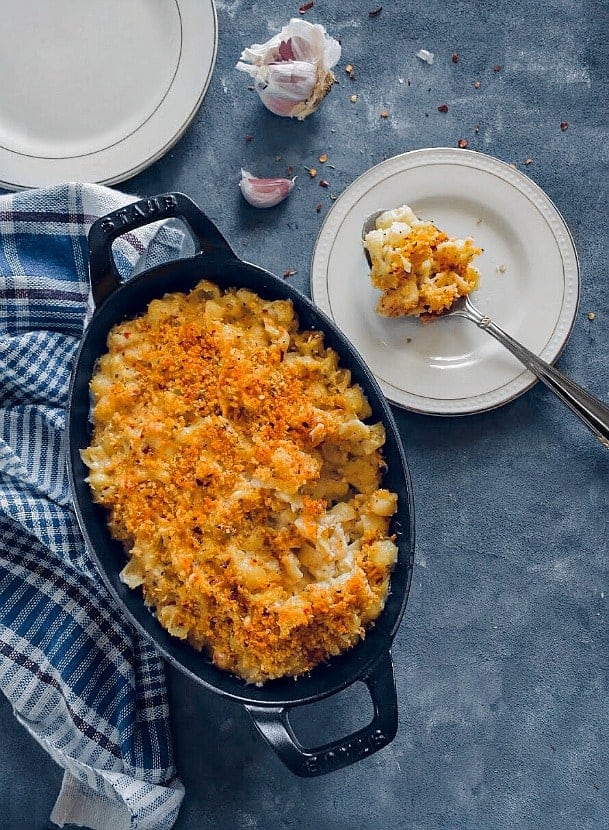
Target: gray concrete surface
(502, 659)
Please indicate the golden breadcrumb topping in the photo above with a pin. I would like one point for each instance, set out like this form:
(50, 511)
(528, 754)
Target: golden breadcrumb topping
(232, 453)
(419, 269)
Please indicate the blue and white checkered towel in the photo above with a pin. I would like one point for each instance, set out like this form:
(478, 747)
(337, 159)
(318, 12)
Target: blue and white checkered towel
(79, 678)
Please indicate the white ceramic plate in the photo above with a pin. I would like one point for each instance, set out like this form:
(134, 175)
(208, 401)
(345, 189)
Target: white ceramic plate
(97, 91)
(529, 279)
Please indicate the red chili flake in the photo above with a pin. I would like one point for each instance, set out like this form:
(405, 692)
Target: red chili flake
(443, 108)
(318, 207)
(306, 7)
(564, 125)
(290, 171)
(249, 137)
(375, 12)
(289, 273)
(324, 183)
(455, 57)
(497, 67)
(462, 143)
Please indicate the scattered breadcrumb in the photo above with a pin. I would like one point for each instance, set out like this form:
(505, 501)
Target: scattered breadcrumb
(591, 315)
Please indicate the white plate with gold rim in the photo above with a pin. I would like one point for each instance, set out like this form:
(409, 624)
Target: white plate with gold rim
(96, 92)
(529, 281)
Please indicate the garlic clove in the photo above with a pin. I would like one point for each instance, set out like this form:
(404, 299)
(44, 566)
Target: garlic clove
(283, 86)
(264, 192)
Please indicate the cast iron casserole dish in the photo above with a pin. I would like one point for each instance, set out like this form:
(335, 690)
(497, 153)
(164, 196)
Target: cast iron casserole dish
(370, 660)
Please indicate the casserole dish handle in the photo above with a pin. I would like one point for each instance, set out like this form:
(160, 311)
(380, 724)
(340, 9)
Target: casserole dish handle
(105, 278)
(273, 724)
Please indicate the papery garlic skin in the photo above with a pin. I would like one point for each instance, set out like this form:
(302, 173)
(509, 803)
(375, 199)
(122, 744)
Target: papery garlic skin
(264, 193)
(426, 55)
(292, 71)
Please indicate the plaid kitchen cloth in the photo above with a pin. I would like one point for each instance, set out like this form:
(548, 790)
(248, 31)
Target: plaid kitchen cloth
(85, 685)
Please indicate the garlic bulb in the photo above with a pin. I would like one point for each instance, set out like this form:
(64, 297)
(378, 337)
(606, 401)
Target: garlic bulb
(264, 193)
(292, 71)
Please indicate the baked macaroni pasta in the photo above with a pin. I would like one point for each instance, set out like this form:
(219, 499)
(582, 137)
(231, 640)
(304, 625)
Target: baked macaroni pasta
(233, 455)
(419, 269)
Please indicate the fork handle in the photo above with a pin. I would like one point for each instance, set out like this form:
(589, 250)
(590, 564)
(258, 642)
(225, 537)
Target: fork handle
(593, 412)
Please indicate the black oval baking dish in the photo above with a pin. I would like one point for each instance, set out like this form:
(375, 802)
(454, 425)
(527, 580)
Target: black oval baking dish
(370, 660)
